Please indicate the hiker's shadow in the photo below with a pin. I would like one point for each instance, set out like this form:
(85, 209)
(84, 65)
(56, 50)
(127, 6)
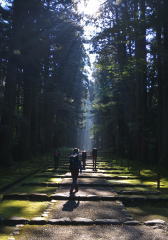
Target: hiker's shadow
(70, 205)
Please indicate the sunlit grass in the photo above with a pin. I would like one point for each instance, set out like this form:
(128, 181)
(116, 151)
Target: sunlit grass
(148, 173)
(152, 184)
(133, 188)
(148, 177)
(113, 171)
(14, 172)
(134, 181)
(103, 164)
(55, 180)
(43, 179)
(130, 175)
(33, 189)
(36, 189)
(4, 236)
(131, 181)
(120, 174)
(164, 183)
(21, 208)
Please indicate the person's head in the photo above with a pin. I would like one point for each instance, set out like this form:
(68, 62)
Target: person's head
(75, 150)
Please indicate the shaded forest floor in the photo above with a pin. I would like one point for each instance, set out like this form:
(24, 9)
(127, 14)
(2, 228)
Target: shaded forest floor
(101, 196)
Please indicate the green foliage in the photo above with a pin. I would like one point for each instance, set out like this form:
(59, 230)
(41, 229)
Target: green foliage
(149, 212)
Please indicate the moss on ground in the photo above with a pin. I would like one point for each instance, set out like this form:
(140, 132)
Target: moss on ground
(36, 180)
(143, 212)
(147, 176)
(133, 189)
(164, 183)
(5, 180)
(129, 181)
(27, 231)
(19, 208)
(5, 232)
(105, 165)
(31, 209)
(10, 174)
(42, 179)
(151, 184)
(149, 211)
(148, 173)
(33, 189)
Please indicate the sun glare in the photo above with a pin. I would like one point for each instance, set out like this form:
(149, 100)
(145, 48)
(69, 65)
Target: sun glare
(2, 3)
(89, 7)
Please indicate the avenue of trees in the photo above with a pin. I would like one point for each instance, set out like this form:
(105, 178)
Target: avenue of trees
(131, 92)
(43, 81)
(41, 77)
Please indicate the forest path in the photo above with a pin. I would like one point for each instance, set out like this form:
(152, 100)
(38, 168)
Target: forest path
(94, 189)
(93, 213)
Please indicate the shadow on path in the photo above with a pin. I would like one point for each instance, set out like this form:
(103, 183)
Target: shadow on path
(70, 205)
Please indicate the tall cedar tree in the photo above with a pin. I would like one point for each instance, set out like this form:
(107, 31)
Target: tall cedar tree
(131, 79)
(42, 82)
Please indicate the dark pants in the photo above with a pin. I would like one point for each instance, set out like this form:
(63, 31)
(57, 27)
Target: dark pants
(83, 163)
(74, 184)
(94, 162)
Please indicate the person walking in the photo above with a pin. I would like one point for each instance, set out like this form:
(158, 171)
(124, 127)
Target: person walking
(56, 158)
(84, 156)
(74, 167)
(94, 157)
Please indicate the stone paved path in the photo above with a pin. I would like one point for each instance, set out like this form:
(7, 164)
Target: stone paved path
(85, 191)
(90, 210)
(85, 209)
(94, 232)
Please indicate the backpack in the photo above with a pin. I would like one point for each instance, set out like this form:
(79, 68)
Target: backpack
(74, 163)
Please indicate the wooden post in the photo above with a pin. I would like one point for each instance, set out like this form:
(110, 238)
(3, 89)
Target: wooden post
(158, 181)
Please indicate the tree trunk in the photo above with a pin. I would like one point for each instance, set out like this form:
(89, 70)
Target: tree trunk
(7, 121)
(140, 55)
